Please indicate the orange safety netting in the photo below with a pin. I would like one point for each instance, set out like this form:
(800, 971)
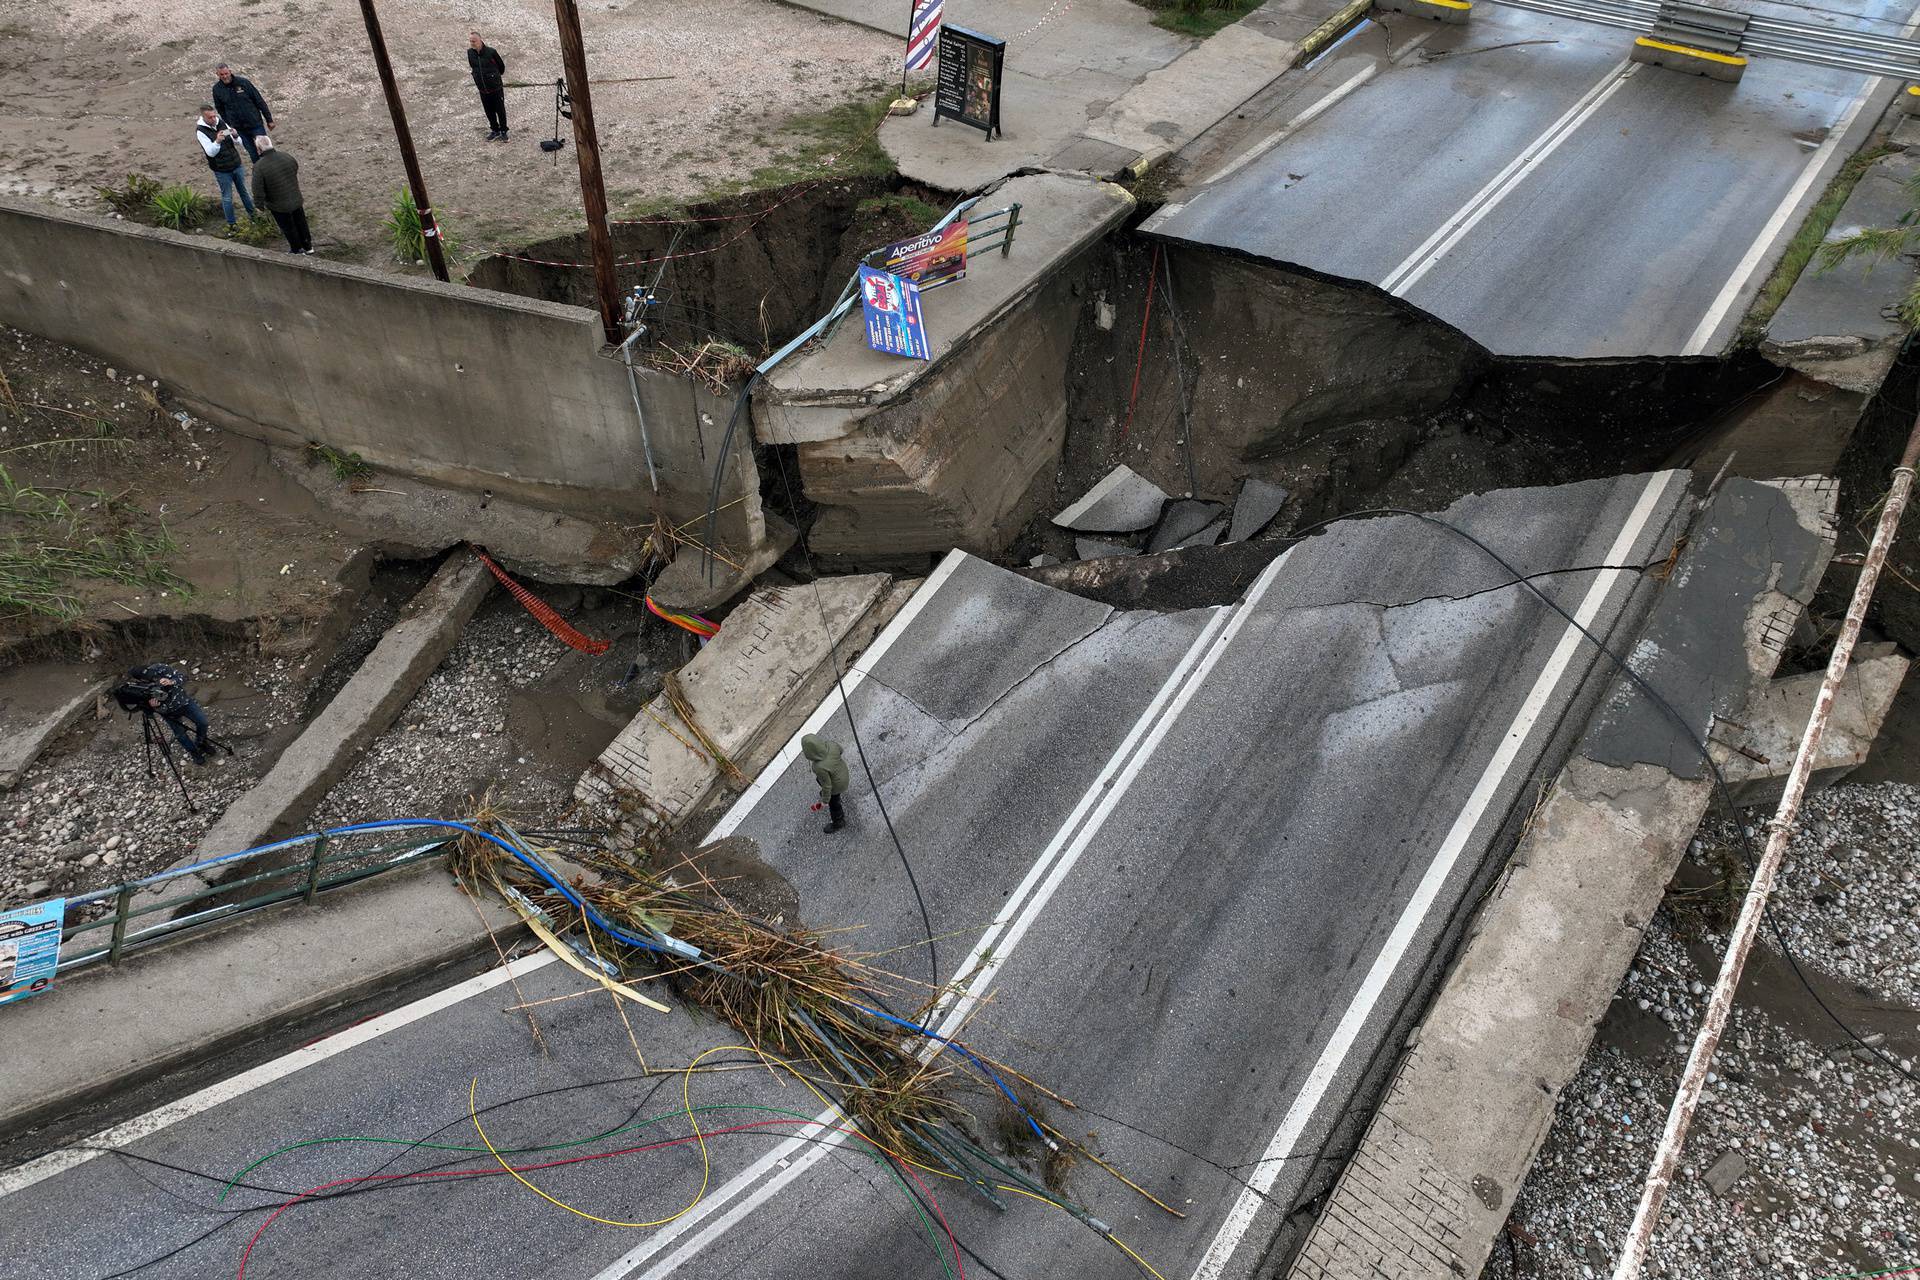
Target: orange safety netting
(543, 611)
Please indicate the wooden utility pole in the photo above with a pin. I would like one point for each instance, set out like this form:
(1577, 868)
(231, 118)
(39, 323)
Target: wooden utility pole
(429, 229)
(593, 191)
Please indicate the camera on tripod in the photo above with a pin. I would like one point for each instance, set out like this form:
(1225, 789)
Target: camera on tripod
(138, 695)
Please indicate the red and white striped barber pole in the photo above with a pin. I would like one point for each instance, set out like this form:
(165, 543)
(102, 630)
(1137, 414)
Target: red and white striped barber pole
(923, 34)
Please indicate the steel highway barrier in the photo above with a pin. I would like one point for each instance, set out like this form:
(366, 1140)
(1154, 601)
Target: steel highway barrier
(1867, 52)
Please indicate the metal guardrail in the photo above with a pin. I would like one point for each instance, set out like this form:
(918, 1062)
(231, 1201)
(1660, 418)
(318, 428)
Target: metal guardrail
(851, 295)
(306, 878)
(1805, 42)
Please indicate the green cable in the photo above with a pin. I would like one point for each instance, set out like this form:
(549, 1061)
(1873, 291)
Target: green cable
(926, 1223)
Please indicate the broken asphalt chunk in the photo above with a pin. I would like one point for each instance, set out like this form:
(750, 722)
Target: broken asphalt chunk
(1100, 548)
(1259, 502)
(1123, 502)
(1184, 522)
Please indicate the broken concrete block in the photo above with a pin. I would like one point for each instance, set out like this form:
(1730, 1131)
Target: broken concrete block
(1207, 537)
(1123, 502)
(1777, 718)
(772, 662)
(1100, 548)
(1259, 502)
(1042, 560)
(1182, 521)
(1724, 1172)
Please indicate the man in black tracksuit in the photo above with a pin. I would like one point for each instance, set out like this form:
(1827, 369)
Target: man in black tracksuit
(488, 69)
(242, 107)
(276, 184)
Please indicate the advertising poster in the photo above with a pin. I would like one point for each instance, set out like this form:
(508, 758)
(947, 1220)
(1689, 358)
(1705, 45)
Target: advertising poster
(936, 258)
(968, 89)
(891, 305)
(29, 948)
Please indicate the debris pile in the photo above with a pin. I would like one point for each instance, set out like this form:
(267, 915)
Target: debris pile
(1126, 514)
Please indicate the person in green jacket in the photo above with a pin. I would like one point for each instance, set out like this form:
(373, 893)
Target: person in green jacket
(830, 771)
(276, 184)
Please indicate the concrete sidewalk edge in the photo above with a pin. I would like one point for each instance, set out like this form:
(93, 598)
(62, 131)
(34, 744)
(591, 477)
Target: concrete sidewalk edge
(93, 1036)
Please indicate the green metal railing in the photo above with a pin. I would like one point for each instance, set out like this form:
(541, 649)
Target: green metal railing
(302, 875)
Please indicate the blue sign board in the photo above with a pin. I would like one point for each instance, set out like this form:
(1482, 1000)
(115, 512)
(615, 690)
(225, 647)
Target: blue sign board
(29, 948)
(892, 307)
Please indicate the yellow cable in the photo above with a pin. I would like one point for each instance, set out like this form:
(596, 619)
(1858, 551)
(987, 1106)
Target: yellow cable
(706, 1163)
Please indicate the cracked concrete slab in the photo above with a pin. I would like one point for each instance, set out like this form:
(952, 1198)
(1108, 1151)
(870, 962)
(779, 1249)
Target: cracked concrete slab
(1123, 502)
(775, 653)
(1259, 501)
(1470, 1101)
(1185, 522)
(1769, 734)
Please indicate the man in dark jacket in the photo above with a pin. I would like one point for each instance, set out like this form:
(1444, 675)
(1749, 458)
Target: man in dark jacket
(170, 701)
(242, 107)
(830, 771)
(223, 157)
(488, 68)
(276, 184)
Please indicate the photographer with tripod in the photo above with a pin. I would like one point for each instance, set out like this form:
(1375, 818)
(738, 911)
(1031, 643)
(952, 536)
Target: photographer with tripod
(158, 690)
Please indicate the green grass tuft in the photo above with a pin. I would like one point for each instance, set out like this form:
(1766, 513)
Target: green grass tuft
(180, 207)
(47, 542)
(1198, 18)
(409, 237)
(1805, 243)
(346, 466)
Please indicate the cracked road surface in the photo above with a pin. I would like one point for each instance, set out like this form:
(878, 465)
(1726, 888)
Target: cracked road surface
(1190, 870)
(1518, 178)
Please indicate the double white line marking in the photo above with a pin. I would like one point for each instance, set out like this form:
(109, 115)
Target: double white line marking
(1455, 229)
(759, 1181)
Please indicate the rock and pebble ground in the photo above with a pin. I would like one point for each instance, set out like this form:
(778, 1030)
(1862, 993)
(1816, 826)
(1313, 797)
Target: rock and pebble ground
(1804, 1158)
(510, 711)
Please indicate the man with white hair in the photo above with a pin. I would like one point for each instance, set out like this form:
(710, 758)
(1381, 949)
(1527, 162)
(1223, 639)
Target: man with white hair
(276, 184)
(488, 69)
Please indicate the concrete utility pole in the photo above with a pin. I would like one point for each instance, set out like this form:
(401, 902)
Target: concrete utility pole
(428, 227)
(593, 192)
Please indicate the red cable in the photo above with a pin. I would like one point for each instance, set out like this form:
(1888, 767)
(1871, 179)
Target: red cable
(1139, 360)
(496, 1170)
(544, 612)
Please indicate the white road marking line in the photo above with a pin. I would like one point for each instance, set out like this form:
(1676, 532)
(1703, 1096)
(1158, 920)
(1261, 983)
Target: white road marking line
(1300, 121)
(1757, 251)
(831, 704)
(55, 1163)
(1023, 907)
(1109, 789)
(1484, 201)
(1240, 1217)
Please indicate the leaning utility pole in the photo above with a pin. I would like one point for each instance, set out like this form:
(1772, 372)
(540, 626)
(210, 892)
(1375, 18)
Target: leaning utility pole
(1666, 1158)
(593, 192)
(429, 230)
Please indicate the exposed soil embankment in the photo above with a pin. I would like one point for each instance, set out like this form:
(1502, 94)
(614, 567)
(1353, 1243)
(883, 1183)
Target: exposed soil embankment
(1345, 395)
(753, 270)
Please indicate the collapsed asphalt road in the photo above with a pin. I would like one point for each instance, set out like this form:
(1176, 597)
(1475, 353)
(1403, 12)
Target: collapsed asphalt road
(1519, 178)
(1185, 869)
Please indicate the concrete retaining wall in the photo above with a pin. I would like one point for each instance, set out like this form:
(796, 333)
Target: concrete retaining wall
(452, 385)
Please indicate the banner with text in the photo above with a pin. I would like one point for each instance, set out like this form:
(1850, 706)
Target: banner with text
(30, 948)
(937, 257)
(891, 305)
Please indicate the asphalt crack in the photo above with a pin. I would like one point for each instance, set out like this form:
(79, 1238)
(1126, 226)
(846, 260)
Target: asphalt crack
(1511, 582)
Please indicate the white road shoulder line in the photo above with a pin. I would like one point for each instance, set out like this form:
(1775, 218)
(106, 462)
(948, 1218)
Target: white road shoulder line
(1240, 1217)
(1305, 118)
(1024, 905)
(1750, 263)
(55, 1163)
(1484, 201)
